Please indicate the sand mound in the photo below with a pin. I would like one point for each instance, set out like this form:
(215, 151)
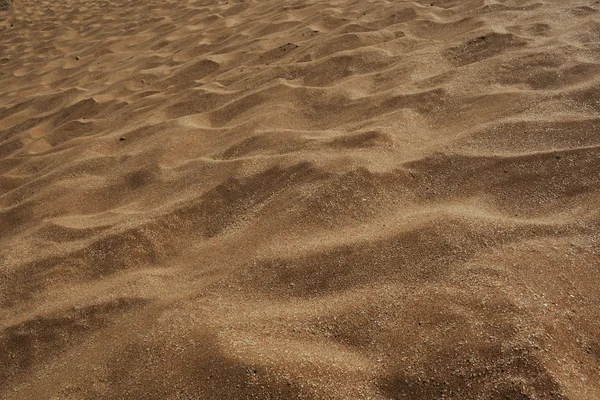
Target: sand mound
(320, 200)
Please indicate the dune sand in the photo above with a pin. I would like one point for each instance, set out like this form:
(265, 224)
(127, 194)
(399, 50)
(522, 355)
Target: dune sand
(300, 199)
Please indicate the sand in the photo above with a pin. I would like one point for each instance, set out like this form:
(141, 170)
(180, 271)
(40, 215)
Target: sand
(300, 199)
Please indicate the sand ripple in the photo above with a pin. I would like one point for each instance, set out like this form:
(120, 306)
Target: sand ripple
(321, 200)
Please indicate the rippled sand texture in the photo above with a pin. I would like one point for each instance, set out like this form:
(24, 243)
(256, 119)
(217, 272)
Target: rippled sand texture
(300, 199)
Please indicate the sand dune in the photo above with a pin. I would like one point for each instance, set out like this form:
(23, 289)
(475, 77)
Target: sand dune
(320, 200)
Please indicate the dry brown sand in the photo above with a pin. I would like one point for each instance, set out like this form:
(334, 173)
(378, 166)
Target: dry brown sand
(300, 199)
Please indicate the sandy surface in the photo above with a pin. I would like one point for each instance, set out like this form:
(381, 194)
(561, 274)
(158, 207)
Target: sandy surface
(300, 199)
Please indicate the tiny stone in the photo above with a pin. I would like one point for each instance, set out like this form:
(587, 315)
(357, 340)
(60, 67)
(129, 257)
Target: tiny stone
(77, 58)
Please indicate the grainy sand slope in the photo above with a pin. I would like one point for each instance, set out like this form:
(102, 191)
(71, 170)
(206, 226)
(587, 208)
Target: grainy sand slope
(300, 199)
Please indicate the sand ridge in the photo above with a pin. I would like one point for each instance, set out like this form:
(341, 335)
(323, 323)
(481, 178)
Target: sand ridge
(320, 200)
